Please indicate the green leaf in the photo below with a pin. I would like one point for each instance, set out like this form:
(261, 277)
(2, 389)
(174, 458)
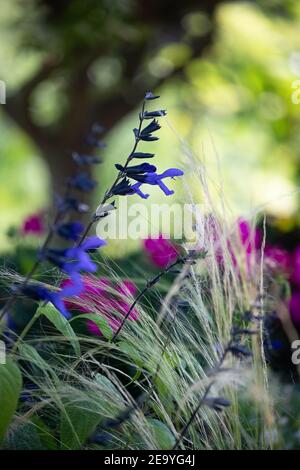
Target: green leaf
(24, 437)
(162, 434)
(46, 435)
(10, 389)
(132, 352)
(109, 387)
(62, 325)
(78, 421)
(100, 321)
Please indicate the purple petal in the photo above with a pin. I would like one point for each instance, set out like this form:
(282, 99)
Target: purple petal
(136, 188)
(56, 300)
(92, 243)
(163, 187)
(171, 173)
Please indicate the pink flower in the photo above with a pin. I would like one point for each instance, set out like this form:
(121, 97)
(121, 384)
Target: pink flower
(160, 251)
(103, 297)
(33, 224)
(295, 277)
(250, 240)
(278, 258)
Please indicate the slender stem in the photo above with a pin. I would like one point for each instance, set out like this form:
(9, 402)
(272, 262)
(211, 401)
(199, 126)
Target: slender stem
(109, 192)
(148, 286)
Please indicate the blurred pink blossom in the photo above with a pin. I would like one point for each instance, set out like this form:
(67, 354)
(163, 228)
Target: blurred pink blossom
(251, 239)
(103, 297)
(160, 251)
(295, 277)
(33, 224)
(278, 258)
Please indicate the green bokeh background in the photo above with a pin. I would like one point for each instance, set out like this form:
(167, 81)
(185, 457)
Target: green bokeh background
(232, 106)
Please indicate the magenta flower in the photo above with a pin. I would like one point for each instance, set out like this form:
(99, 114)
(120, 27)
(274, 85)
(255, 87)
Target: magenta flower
(250, 240)
(278, 258)
(33, 224)
(160, 251)
(295, 277)
(103, 297)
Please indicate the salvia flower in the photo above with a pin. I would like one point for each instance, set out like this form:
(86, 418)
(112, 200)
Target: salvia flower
(155, 179)
(70, 231)
(77, 259)
(143, 173)
(40, 293)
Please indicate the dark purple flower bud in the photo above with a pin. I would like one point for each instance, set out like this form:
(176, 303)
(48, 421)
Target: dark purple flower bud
(145, 137)
(93, 141)
(82, 182)
(148, 138)
(154, 114)
(123, 188)
(149, 96)
(85, 159)
(136, 169)
(71, 203)
(152, 127)
(70, 231)
(142, 155)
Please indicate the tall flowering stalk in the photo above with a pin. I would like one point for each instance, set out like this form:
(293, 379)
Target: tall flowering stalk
(68, 260)
(73, 261)
(140, 174)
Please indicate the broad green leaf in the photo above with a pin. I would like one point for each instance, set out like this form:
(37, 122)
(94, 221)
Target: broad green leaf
(79, 419)
(100, 321)
(45, 434)
(162, 434)
(62, 325)
(109, 387)
(24, 437)
(10, 388)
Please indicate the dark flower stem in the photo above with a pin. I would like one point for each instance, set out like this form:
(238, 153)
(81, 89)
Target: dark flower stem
(152, 282)
(120, 175)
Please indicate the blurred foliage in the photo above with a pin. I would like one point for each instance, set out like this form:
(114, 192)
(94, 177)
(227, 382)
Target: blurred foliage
(232, 105)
